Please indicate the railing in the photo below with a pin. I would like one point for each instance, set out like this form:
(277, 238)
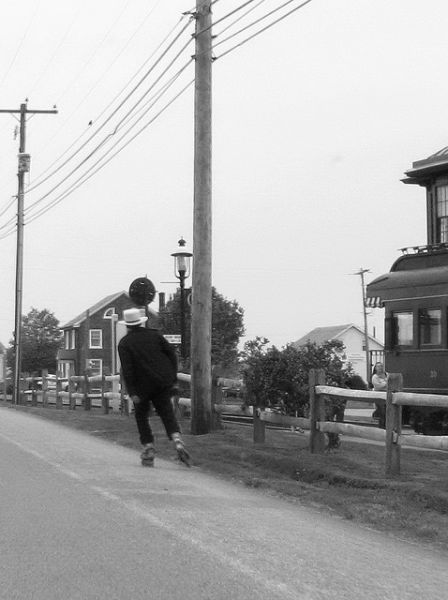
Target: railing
(394, 398)
(80, 390)
(106, 392)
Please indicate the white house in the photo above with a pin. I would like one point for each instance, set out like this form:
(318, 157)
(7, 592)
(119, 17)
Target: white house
(353, 339)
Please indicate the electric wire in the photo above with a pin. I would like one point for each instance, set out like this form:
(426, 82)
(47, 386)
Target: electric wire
(261, 30)
(83, 179)
(93, 54)
(225, 17)
(160, 94)
(98, 117)
(109, 135)
(19, 47)
(55, 51)
(241, 16)
(101, 162)
(118, 107)
(7, 207)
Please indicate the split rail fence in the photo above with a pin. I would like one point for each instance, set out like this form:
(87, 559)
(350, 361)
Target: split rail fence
(107, 393)
(103, 391)
(317, 425)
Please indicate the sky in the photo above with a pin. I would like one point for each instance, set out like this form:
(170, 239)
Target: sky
(315, 122)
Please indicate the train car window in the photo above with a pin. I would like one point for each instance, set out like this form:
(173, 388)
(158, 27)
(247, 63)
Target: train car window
(430, 326)
(442, 213)
(402, 328)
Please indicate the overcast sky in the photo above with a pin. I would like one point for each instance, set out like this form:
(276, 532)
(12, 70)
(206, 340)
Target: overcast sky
(314, 124)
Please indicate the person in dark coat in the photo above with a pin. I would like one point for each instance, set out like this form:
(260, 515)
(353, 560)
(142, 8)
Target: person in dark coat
(149, 371)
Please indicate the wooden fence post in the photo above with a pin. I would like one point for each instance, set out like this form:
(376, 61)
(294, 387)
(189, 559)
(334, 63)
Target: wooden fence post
(58, 390)
(216, 400)
(45, 387)
(393, 425)
(317, 412)
(87, 401)
(71, 391)
(33, 392)
(104, 399)
(259, 426)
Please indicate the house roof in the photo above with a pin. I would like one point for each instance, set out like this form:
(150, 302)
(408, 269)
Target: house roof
(76, 322)
(436, 163)
(320, 335)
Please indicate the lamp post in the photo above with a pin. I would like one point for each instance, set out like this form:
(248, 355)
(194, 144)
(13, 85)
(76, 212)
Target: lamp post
(182, 260)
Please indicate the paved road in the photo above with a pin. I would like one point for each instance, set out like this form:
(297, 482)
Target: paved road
(81, 519)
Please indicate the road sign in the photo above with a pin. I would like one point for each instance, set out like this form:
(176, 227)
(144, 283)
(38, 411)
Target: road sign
(173, 338)
(142, 291)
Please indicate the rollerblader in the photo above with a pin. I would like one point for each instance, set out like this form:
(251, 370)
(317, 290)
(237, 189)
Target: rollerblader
(149, 370)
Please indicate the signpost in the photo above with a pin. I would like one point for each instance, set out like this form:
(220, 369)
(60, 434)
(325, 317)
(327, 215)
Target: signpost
(173, 338)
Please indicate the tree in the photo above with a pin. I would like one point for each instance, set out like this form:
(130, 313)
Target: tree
(279, 378)
(40, 341)
(227, 326)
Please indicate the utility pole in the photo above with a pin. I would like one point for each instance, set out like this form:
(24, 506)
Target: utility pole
(201, 309)
(366, 333)
(23, 168)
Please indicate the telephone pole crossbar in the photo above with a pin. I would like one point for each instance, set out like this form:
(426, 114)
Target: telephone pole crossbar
(22, 169)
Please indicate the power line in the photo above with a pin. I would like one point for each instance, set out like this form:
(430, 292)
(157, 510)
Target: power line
(98, 81)
(10, 203)
(83, 178)
(119, 140)
(19, 47)
(134, 89)
(132, 115)
(235, 10)
(93, 54)
(261, 30)
(113, 133)
(55, 51)
(241, 17)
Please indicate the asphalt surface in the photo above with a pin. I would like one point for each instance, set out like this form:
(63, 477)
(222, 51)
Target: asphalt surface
(81, 519)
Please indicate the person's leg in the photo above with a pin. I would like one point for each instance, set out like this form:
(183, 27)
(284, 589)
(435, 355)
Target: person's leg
(164, 407)
(141, 411)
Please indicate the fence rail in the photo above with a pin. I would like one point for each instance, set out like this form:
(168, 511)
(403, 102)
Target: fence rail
(106, 392)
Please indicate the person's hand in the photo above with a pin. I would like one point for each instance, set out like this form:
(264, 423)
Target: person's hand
(135, 399)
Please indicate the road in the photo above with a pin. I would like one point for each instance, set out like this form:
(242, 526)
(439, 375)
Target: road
(81, 519)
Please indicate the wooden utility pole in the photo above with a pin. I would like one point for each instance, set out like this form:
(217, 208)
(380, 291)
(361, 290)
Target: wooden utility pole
(201, 309)
(366, 332)
(22, 169)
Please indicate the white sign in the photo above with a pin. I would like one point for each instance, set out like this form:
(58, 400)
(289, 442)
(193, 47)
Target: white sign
(173, 338)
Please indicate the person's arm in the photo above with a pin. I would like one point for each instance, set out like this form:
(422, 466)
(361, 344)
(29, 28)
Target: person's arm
(378, 383)
(168, 349)
(127, 369)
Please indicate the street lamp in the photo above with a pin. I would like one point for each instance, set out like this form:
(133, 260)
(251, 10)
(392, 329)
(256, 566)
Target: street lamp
(182, 259)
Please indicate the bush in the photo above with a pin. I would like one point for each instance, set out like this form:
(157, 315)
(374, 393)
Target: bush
(279, 378)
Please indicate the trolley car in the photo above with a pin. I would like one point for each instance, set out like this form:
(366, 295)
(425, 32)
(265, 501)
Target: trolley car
(414, 295)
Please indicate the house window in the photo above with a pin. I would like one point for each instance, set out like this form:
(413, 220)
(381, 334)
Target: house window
(109, 312)
(430, 327)
(94, 366)
(402, 328)
(69, 339)
(95, 338)
(442, 213)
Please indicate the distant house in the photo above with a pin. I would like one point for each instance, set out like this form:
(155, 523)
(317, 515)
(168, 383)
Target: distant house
(90, 338)
(353, 339)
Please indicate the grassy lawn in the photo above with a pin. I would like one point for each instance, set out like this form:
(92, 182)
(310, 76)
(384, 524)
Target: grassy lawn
(348, 482)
